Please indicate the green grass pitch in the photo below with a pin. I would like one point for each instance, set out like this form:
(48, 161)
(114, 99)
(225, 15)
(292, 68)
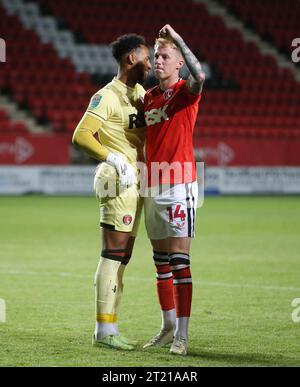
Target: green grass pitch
(246, 273)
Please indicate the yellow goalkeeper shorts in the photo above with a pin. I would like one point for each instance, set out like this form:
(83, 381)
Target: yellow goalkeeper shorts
(120, 210)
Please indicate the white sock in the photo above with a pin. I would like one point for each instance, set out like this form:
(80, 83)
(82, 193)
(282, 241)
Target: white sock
(168, 319)
(105, 329)
(182, 325)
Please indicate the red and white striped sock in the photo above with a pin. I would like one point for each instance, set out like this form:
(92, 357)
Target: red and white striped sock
(165, 289)
(183, 290)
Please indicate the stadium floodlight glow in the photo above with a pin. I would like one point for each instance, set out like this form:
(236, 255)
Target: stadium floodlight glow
(296, 52)
(296, 312)
(2, 311)
(2, 50)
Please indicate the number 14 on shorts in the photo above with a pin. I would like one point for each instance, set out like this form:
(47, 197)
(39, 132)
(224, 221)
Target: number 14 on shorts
(176, 213)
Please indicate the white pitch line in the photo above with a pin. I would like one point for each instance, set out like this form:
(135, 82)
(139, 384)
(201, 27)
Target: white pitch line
(197, 282)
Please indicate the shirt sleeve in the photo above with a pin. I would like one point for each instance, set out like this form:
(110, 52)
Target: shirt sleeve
(190, 98)
(84, 137)
(101, 105)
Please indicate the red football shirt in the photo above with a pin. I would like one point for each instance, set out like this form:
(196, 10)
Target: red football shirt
(170, 116)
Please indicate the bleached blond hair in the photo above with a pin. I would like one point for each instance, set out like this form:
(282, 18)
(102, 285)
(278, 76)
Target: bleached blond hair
(162, 42)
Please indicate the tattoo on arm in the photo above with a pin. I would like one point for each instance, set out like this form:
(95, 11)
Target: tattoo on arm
(195, 80)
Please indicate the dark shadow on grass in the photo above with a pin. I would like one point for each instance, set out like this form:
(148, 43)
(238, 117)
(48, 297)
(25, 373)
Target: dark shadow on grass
(218, 358)
(242, 359)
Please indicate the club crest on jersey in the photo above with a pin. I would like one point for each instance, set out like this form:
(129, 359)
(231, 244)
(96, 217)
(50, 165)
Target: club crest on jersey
(168, 94)
(127, 219)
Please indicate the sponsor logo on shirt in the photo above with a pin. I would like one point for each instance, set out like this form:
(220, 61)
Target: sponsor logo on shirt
(136, 121)
(155, 116)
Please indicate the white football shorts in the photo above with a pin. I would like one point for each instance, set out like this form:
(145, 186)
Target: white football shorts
(171, 212)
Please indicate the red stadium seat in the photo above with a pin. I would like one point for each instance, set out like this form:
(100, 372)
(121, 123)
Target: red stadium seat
(52, 89)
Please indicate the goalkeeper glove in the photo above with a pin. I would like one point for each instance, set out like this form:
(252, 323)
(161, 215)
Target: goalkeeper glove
(125, 171)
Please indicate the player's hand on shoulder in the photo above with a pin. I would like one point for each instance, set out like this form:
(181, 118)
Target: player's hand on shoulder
(125, 171)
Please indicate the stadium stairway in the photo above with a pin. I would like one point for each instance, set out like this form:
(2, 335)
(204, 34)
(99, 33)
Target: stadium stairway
(278, 30)
(55, 90)
(257, 14)
(86, 57)
(14, 119)
(259, 108)
(39, 80)
(17, 120)
(8, 125)
(91, 58)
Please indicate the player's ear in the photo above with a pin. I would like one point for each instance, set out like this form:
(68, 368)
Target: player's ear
(131, 58)
(180, 64)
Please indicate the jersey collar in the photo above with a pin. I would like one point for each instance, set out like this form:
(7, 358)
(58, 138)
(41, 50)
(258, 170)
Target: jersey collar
(122, 85)
(171, 87)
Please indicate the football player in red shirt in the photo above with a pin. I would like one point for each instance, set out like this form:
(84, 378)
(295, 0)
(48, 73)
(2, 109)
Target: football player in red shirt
(170, 206)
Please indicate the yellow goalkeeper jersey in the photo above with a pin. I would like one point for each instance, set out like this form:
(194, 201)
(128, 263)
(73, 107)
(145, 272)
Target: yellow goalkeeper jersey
(119, 108)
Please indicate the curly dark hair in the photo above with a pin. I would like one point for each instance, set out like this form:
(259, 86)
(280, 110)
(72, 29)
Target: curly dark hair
(126, 43)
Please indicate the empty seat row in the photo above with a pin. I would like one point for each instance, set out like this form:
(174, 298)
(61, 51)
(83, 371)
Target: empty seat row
(45, 81)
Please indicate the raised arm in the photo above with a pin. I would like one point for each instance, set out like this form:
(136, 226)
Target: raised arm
(197, 76)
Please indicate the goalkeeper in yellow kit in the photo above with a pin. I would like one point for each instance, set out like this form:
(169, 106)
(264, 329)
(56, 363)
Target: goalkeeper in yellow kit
(115, 114)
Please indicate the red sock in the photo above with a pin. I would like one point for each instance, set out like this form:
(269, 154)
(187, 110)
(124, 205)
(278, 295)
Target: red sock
(164, 281)
(182, 279)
